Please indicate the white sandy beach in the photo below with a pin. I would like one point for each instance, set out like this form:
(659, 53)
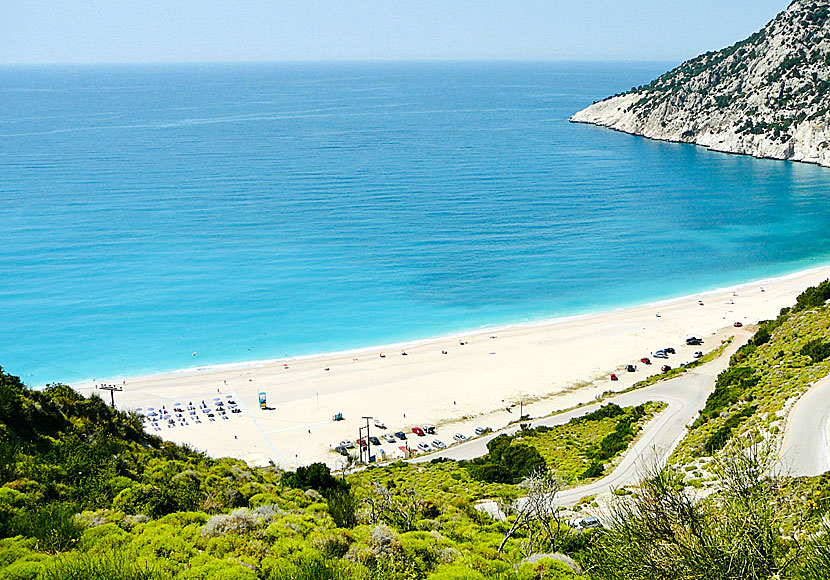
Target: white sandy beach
(548, 366)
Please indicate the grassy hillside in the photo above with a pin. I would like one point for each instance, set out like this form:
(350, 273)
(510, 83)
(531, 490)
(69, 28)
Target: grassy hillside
(85, 493)
(764, 380)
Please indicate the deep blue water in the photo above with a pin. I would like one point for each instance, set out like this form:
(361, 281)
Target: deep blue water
(249, 212)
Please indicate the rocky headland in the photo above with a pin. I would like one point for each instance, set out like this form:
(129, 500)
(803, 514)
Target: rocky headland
(766, 96)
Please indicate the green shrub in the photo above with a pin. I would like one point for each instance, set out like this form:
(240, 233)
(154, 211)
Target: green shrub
(718, 439)
(813, 297)
(546, 569)
(54, 525)
(506, 462)
(110, 566)
(817, 349)
(455, 573)
(342, 506)
(595, 469)
(315, 476)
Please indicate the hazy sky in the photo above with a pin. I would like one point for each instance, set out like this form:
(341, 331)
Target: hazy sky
(80, 31)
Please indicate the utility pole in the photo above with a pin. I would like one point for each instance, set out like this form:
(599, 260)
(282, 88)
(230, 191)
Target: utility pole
(111, 389)
(368, 443)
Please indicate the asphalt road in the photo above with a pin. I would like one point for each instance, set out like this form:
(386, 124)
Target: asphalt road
(684, 395)
(805, 447)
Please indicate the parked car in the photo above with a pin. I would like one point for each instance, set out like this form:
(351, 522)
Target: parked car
(388, 438)
(661, 354)
(429, 429)
(347, 444)
(341, 450)
(400, 435)
(614, 377)
(459, 437)
(665, 368)
(738, 324)
(670, 350)
(694, 341)
(589, 522)
(481, 430)
(645, 360)
(379, 424)
(362, 442)
(424, 447)
(631, 368)
(374, 440)
(418, 431)
(698, 354)
(438, 444)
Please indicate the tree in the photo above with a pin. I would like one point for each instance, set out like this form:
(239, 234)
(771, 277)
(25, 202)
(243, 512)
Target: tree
(536, 513)
(665, 532)
(401, 509)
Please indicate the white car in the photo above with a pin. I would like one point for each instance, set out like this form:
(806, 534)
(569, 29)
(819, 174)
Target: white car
(459, 437)
(480, 430)
(388, 437)
(347, 444)
(438, 444)
(379, 424)
(424, 447)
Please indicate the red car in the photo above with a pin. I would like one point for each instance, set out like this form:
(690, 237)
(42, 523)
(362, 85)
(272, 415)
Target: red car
(418, 431)
(614, 377)
(645, 360)
(362, 442)
(738, 324)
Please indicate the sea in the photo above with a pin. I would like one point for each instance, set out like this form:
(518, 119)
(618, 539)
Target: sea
(160, 217)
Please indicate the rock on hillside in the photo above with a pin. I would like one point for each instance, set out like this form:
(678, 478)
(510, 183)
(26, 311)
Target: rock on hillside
(767, 96)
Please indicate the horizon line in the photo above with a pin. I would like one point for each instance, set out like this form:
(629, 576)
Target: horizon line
(332, 61)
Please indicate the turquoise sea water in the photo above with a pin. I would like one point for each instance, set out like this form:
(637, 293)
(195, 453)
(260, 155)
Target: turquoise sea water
(257, 211)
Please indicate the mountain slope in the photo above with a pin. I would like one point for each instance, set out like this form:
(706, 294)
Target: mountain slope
(767, 96)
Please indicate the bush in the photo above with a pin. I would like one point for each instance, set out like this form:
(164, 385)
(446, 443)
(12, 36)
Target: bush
(54, 525)
(546, 569)
(718, 439)
(506, 462)
(315, 476)
(596, 469)
(666, 532)
(109, 566)
(342, 506)
(817, 350)
(813, 297)
(455, 573)
(729, 388)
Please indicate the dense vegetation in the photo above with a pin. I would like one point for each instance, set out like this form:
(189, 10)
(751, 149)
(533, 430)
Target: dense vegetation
(580, 450)
(765, 378)
(85, 493)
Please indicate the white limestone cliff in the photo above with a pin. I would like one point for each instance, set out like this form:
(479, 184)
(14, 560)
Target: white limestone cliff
(766, 96)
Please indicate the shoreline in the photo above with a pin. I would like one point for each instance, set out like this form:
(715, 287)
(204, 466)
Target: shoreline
(457, 383)
(414, 343)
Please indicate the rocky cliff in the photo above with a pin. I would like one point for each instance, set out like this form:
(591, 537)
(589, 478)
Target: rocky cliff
(767, 96)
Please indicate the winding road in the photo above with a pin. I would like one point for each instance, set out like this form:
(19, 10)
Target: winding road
(805, 447)
(684, 395)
